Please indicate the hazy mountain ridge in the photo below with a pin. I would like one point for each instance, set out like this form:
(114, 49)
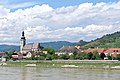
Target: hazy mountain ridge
(107, 41)
(5, 48)
(55, 45)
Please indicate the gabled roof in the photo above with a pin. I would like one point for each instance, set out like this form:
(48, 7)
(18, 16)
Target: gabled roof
(31, 46)
(68, 49)
(110, 50)
(100, 50)
(35, 45)
(3, 54)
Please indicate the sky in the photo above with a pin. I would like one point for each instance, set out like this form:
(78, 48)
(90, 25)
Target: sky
(57, 20)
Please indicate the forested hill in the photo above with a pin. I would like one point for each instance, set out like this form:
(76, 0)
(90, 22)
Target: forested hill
(56, 44)
(107, 41)
(5, 48)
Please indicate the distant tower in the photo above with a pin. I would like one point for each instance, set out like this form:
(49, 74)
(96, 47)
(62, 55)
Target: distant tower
(22, 42)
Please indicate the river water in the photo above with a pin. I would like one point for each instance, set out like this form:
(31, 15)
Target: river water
(35, 73)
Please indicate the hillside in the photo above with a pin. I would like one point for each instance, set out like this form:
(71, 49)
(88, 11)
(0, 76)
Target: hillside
(56, 45)
(107, 41)
(5, 48)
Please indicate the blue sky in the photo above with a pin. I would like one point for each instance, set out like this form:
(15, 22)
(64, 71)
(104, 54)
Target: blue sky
(57, 20)
(52, 3)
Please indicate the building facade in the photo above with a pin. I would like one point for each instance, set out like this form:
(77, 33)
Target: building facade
(31, 47)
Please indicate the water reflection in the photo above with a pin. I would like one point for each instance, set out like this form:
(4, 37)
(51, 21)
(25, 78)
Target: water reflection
(35, 73)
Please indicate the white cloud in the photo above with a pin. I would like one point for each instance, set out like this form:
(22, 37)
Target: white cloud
(3, 11)
(43, 23)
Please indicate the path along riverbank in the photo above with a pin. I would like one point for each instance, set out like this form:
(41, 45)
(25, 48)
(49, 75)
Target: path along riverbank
(82, 64)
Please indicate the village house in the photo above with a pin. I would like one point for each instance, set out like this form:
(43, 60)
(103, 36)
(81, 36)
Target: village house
(3, 56)
(68, 49)
(99, 50)
(112, 51)
(17, 56)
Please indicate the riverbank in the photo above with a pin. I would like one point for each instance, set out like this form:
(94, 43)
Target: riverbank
(107, 65)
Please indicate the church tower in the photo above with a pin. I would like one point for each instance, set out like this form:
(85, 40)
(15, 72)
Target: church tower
(22, 42)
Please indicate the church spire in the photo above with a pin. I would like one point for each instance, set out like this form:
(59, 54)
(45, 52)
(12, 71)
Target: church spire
(23, 33)
(22, 41)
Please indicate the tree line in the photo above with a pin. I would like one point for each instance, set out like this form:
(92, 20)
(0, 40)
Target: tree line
(75, 56)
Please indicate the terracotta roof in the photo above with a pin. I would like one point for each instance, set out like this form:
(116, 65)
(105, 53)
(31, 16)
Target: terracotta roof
(100, 50)
(14, 56)
(110, 50)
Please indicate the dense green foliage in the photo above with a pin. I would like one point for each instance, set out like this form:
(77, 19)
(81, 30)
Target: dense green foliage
(66, 56)
(107, 41)
(49, 50)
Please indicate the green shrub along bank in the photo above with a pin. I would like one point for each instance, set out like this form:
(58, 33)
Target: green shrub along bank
(75, 56)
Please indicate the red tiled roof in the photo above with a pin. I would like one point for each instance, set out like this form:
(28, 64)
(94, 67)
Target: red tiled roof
(14, 56)
(100, 50)
(110, 50)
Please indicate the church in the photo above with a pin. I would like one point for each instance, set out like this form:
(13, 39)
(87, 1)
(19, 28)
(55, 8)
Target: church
(31, 47)
(26, 50)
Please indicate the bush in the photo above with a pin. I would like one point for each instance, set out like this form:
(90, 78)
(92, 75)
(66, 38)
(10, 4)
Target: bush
(89, 55)
(118, 57)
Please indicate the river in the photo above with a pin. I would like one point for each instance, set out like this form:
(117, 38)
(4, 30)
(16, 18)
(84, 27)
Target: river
(35, 73)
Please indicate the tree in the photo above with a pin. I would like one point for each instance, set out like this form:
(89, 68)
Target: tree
(72, 57)
(64, 56)
(95, 55)
(75, 53)
(81, 56)
(109, 57)
(49, 50)
(40, 58)
(102, 56)
(89, 55)
(55, 56)
(49, 57)
(118, 57)
(10, 54)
